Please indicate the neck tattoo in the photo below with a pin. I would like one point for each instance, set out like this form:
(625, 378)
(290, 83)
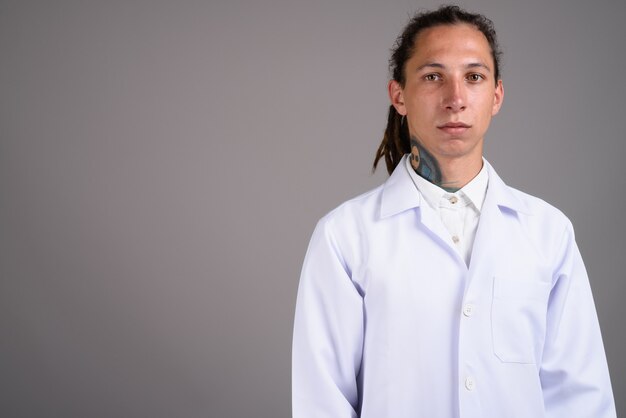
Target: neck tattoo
(426, 166)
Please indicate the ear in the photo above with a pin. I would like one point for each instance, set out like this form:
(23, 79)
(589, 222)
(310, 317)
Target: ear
(396, 96)
(498, 98)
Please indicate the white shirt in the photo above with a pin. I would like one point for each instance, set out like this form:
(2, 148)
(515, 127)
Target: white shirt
(459, 211)
(391, 322)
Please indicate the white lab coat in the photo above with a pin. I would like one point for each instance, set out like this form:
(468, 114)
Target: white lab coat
(390, 322)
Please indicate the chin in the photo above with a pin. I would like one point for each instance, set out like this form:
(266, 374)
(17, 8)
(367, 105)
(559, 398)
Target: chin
(459, 150)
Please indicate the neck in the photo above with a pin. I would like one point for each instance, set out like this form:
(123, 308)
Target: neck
(451, 174)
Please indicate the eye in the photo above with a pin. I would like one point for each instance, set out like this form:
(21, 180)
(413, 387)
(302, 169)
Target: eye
(475, 77)
(432, 77)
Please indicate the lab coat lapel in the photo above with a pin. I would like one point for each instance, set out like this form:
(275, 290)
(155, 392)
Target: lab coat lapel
(432, 221)
(490, 243)
(493, 241)
(401, 194)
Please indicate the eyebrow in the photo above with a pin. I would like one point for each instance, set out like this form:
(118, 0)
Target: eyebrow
(438, 65)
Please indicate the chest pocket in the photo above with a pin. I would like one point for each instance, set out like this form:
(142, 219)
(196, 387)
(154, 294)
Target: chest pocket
(518, 318)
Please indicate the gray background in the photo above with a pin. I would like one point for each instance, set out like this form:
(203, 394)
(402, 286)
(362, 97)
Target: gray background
(163, 164)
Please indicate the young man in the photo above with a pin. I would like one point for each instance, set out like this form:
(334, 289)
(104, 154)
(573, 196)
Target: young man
(444, 292)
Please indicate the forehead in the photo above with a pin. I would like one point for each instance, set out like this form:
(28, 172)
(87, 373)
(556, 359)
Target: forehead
(456, 42)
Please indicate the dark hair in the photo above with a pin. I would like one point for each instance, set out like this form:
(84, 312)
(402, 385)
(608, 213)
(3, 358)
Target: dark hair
(395, 141)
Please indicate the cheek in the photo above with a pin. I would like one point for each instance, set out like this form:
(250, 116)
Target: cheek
(418, 121)
(422, 111)
(486, 107)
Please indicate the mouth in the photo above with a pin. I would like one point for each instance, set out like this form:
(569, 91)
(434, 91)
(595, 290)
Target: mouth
(454, 128)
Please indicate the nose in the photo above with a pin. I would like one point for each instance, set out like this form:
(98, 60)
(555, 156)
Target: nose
(454, 98)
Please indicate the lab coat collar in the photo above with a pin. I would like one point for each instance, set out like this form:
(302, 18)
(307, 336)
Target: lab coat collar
(473, 192)
(502, 195)
(399, 192)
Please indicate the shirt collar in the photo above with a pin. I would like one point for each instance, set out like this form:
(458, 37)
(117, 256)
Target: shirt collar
(399, 194)
(474, 191)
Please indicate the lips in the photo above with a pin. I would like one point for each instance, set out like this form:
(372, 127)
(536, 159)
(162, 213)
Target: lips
(454, 128)
(454, 125)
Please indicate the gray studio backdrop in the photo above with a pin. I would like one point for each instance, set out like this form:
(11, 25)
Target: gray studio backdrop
(163, 164)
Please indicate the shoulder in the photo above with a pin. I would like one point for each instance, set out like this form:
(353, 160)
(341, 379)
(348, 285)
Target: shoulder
(541, 211)
(354, 213)
(542, 224)
(547, 227)
(530, 209)
(345, 230)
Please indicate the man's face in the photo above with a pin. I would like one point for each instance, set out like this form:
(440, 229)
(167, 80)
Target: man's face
(450, 92)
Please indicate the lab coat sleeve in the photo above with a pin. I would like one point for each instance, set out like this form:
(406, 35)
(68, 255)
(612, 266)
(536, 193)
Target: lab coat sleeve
(574, 372)
(328, 333)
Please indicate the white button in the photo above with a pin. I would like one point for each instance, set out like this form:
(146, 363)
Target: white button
(468, 309)
(469, 383)
(455, 239)
(454, 199)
